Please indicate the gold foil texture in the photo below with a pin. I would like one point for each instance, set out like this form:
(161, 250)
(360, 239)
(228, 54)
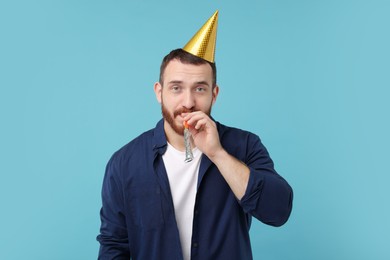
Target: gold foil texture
(202, 44)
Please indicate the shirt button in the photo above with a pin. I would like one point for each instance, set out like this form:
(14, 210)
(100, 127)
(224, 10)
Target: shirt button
(195, 245)
(196, 212)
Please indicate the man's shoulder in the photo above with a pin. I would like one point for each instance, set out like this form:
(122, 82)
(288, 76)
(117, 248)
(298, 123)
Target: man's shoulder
(142, 139)
(135, 146)
(240, 143)
(234, 132)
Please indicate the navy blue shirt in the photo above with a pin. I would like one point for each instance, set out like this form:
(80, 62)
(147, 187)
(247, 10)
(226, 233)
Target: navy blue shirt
(138, 218)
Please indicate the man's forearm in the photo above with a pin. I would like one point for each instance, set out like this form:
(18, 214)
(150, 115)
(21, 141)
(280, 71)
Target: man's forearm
(235, 172)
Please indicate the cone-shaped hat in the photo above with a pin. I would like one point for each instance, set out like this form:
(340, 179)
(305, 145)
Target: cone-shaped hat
(203, 42)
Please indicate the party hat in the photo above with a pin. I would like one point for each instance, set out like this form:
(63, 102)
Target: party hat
(202, 44)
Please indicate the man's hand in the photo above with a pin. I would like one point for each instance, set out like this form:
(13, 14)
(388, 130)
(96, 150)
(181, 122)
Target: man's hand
(204, 133)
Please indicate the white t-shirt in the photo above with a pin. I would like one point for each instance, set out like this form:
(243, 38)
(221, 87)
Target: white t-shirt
(183, 179)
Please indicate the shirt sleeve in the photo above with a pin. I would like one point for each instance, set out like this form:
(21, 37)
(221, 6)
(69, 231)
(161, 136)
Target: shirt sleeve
(268, 196)
(113, 237)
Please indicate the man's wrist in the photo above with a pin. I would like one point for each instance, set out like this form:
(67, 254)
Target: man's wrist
(219, 155)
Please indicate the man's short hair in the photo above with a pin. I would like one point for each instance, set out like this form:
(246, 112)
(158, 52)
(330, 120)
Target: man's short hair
(186, 58)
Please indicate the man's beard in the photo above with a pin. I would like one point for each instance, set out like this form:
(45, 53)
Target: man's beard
(171, 119)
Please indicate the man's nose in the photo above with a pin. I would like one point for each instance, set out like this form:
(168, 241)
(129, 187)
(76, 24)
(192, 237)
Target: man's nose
(189, 101)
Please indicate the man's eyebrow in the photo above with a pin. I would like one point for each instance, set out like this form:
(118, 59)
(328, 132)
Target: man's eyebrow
(202, 82)
(175, 82)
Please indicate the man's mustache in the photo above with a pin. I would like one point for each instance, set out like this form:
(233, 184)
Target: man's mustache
(183, 110)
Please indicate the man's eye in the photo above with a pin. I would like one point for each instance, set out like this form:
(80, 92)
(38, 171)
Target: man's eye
(200, 89)
(175, 88)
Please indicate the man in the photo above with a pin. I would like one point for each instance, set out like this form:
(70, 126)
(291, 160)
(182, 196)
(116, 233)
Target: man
(156, 206)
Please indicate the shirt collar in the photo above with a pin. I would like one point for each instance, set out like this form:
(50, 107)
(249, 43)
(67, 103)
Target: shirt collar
(159, 138)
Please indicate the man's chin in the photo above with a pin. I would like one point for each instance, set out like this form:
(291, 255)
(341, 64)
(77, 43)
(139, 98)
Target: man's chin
(177, 127)
(175, 121)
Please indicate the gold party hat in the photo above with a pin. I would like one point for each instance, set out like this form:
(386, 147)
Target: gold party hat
(202, 44)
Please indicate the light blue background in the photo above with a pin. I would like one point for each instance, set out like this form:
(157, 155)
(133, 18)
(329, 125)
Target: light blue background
(310, 77)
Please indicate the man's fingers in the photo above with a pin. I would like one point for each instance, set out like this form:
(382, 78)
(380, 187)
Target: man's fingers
(196, 119)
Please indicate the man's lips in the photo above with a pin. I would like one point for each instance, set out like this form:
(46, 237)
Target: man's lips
(181, 111)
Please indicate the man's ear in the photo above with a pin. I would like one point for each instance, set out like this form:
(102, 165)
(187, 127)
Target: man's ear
(158, 91)
(215, 93)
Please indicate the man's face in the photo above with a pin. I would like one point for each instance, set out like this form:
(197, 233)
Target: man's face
(185, 88)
